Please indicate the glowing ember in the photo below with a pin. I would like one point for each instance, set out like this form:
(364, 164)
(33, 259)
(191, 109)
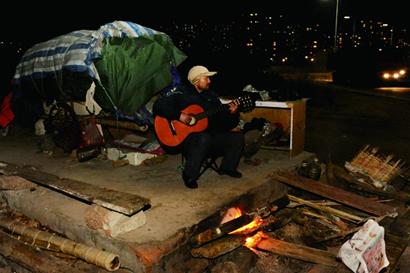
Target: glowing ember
(253, 241)
(252, 226)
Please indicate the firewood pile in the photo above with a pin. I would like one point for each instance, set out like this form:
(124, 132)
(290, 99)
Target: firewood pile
(306, 227)
(376, 168)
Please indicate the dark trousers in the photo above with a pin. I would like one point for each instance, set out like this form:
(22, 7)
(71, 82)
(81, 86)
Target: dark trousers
(200, 146)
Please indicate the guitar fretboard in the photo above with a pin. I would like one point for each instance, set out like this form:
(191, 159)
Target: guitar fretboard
(213, 111)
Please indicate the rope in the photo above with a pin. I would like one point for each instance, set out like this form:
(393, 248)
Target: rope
(49, 241)
(35, 237)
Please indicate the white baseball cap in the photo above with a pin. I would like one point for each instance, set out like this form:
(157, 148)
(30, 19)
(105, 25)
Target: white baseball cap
(198, 71)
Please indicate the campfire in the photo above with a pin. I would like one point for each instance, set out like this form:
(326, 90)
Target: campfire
(254, 225)
(236, 228)
(251, 229)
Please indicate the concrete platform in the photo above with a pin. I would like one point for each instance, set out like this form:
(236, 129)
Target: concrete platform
(175, 210)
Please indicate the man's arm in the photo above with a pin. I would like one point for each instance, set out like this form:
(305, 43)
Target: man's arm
(168, 107)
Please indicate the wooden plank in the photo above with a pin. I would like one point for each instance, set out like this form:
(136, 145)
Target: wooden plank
(122, 202)
(296, 251)
(298, 127)
(336, 194)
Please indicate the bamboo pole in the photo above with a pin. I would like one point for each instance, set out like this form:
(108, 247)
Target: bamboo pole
(104, 259)
(39, 262)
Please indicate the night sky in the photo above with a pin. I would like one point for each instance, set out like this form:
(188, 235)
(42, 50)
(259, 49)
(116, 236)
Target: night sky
(46, 20)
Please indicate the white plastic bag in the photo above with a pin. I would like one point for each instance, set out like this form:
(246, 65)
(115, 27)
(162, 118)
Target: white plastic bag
(365, 252)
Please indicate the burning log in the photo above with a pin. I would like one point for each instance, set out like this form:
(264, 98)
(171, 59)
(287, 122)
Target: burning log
(237, 222)
(218, 247)
(217, 232)
(279, 220)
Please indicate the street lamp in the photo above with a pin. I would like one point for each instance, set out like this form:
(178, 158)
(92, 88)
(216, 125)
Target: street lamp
(336, 20)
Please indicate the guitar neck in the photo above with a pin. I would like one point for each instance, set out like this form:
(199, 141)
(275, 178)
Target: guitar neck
(221, 108)
(213, 111)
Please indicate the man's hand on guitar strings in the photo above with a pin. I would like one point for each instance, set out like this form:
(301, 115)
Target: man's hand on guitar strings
(233, 106)
(186, 119)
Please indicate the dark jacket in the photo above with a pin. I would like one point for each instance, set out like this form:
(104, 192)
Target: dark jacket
(171, 106)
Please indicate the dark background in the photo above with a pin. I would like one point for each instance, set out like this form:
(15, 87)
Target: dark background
(37, 21)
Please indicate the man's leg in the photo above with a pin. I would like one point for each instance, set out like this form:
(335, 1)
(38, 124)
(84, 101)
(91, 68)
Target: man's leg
(230, 145)
(195, 149)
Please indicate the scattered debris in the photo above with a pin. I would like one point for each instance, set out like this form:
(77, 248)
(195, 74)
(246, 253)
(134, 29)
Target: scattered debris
(366, 250)
(376, 168)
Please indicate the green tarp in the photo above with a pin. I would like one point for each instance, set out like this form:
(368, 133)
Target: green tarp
(132, 70)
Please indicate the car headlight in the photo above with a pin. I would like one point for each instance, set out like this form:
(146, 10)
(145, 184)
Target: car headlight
(393, 75)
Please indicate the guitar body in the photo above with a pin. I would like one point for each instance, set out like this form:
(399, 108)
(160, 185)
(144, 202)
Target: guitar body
(173, 132)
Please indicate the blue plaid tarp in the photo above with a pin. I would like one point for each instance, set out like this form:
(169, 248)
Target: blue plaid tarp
(75, 51)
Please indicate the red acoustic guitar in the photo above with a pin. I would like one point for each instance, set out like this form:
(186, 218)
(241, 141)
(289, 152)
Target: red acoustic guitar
(173, 132)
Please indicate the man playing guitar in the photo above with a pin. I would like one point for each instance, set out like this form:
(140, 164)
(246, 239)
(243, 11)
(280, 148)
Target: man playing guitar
(214, 135)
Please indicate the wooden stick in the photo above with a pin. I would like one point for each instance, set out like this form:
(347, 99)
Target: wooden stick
(323, 219)
(350, 231)
(341, 214)
(318, 202)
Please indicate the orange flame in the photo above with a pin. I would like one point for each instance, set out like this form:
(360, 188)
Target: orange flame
(231, 213)
(252, 226)
(253, 241)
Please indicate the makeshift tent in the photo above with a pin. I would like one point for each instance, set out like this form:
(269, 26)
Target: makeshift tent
(128, 62)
